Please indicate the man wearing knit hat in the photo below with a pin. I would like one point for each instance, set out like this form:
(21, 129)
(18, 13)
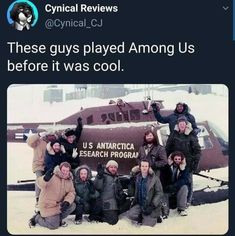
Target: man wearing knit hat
(110, 188)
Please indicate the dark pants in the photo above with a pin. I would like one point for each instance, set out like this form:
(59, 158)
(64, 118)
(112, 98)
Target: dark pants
(135, 212)
(93, 208)
(110, 216)
(190, 189)
(178, 199)
(53, 222)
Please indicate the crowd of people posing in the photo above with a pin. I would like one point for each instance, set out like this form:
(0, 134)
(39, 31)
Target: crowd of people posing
(160, 181)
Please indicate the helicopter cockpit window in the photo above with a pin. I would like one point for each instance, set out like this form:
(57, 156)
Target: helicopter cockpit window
(204, 138)
(111, 116)
(122, 116)
(89, 119)
(119, 116)
(135, 114)
(125, 115)
(103, 117)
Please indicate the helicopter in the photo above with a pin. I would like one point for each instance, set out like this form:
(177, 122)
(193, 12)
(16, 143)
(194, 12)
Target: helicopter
(115, 131)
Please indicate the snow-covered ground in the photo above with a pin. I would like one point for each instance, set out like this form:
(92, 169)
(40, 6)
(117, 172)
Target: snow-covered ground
(204, 219)
(23, 106)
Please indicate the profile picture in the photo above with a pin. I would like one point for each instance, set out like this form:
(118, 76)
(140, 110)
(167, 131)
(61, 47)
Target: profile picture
(22, 15)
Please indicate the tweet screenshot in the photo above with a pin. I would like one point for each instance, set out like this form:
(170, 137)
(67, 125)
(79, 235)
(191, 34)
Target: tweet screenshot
(116, 117)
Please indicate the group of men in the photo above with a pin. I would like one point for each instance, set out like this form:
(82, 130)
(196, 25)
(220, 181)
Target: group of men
(162, 178)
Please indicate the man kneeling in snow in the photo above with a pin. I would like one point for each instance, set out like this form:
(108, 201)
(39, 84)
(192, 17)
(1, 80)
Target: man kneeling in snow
(176, 182)
(56, 200)
(147, 191)
(86, 196)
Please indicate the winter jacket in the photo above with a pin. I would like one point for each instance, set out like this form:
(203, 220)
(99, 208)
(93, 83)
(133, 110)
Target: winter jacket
(182, 176)
(85, 190)
(110, 190)
(154, 193)
(172, 118)
(74, 162)
(39, 149)
(187, 143)
(54, 192)
(156, 156)
(53, 159)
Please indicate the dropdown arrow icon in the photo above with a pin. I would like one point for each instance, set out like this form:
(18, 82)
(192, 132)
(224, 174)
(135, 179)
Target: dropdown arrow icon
(225, 8)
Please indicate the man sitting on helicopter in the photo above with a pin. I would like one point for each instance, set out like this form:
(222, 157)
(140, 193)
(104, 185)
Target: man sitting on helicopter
(181, 109)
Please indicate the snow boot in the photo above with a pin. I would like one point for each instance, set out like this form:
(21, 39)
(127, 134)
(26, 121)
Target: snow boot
(32, 221)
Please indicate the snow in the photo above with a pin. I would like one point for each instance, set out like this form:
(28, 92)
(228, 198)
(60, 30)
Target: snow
(204, 219)
(24, 105)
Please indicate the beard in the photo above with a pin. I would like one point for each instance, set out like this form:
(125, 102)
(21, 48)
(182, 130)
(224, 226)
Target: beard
(149, 141)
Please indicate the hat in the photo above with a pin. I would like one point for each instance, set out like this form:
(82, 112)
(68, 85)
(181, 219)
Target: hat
(111, 163)
(182, 118)
(69, 132)
(55, 141)
(180, 103)
(50, 132)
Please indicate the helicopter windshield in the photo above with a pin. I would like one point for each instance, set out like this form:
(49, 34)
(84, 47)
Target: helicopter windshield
(203, 137)
(219, 133)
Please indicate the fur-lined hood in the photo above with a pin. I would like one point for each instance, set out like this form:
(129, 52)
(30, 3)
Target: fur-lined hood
(188, 128)
(182, 165)
(77, 172)
(136, 169)
(51, 151)
(58, 173)
(185, 111)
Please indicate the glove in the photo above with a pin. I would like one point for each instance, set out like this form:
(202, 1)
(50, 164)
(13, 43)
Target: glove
(155, 106)
(171, 189)
(79, 121)
(48, 175)
(147, 210)
(62, 149)
(91, 187)
(196, 131)
(64, 206)
(100, 170)
(75, 153)
(43, 134)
